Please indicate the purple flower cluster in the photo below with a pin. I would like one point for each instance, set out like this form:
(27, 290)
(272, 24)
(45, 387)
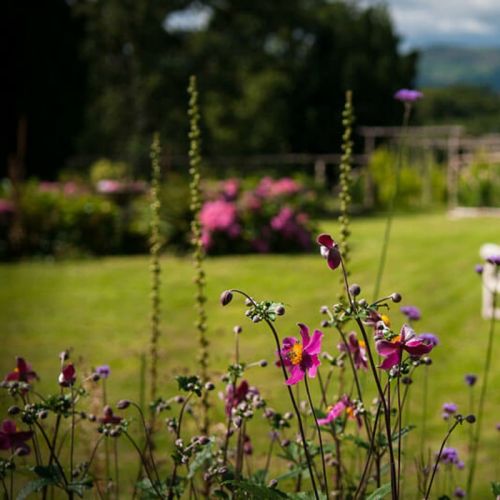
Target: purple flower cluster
(411, 312)
(449, 456)
(407, 95)
(449, 409)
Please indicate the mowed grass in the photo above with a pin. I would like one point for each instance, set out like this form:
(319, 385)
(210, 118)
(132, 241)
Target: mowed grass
(100, 308)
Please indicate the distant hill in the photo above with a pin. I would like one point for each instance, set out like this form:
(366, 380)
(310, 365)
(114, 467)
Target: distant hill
(441, 66)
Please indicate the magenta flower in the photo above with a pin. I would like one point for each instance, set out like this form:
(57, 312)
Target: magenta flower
(301, 357)
(234, 396)
(407, 340)
(22, 372)
(449, 409)
(407, 95)
(357, 348)
(450, 456)
(108, 417)
(329, 250)
(67, 377)
(343, 405)
(13, 439)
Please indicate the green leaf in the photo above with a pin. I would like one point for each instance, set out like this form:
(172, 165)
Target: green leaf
(34, 486)
(495, 488)
(199, 459)
(381, 492)
(47, 472)
(254, 490)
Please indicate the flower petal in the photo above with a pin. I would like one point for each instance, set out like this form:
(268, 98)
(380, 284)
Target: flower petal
(313, 367)
(391, 360)
(326, 240)
(386, 348)
(296, 376)
(314, 345)
(417, 348)
(304, 332)
(333, 258)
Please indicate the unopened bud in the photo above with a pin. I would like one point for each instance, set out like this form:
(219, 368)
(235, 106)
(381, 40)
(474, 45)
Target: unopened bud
(470, 418)
(355, 290)
(123, 404)
(262, 363)
(209, 386)
(280, 310)
(14, 410)
(396, 297)
(237, 329)
(226, 297)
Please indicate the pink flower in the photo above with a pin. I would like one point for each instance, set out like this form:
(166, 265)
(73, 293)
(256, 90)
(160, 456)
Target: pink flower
(407, 95)
(329, 250)
(67, 377)
(13, 439)
(393, 349)
(109, 417)
(334, 411)
(357, 348)
(22, 372)
(301, 357)
(235, 395)
(218, 215)
(230, 189)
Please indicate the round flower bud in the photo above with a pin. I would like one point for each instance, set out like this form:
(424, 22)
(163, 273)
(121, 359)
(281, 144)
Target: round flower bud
(123, 404)
(280, 310)
(203, 440)
(179, 399)
(470, 418)
(288, 415)
(407, 380)
(114, 433)
(256, 319)
(273, 483)
(237, 329)
(285, 443)
(363, 303)
(427, 361)
(92, 417)
(226, 297)
(95, 377)
(479, 268)
(396, 297)
(355, 290)
(248, 302)
(263, 363)
(14, 410)
(209, 386)
(323, 310)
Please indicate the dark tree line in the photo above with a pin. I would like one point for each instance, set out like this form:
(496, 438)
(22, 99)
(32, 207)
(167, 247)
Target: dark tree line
(96, 78)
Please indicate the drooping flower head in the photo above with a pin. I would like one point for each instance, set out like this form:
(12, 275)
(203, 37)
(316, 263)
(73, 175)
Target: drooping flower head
(22, 372)
(67, 377)
(408, 96)
(407, 340)
(329, 250)
(411, 312)
(301, 357)
(357, 348)
(13, 439)
(343, 405)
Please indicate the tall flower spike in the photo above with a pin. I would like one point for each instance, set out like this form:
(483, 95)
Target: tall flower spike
(345, 180)
(196, 234)
(154, 250)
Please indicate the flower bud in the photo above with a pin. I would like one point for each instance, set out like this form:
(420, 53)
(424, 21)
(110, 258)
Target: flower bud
(479, 269)
(273, 483)
(396, 297)
(325, 324)
(280, 310)
(427, 361)
(323, 309)
(42, 414)
(203, 440)
(123, 404)
(263, 363)
(288, 415)
(226, 297)
(14, 410)
(179, 399)
(355, 290)
(285, 443)
(92, 418)
(209, 386)
(256, 319)
(470, 418)
(237, 329)
(95, 377)
(363, 302)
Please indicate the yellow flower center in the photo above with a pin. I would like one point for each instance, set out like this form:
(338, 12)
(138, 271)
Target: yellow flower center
(386, 320)
(16, 369)
(362, 344)
(350, 411)
(295, 354)
(396, 339)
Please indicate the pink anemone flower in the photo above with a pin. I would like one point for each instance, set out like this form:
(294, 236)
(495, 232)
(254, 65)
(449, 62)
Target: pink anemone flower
(13, 439)
(22, 372)
(329, 250)
(301, 357)
(357, 348)
(407, 341)
(343, 405)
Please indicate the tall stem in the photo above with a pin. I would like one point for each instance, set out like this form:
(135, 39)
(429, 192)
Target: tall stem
(381, 395)
(484, 387)
(325, 480)
(390, 215)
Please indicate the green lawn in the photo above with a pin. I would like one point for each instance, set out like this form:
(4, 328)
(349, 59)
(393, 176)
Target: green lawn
(100, 308)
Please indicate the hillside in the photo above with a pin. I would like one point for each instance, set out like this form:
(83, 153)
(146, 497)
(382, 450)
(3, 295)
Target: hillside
(441, 66)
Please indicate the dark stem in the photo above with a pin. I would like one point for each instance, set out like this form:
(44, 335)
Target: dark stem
(53, 455)
(292, 398)
(72, 437)
(117, 478)
(373, 368)
(452, 428)
(325, 480)
(269, 453)
(400, 409)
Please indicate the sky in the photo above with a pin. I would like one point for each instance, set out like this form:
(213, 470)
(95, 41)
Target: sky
(472, 23)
